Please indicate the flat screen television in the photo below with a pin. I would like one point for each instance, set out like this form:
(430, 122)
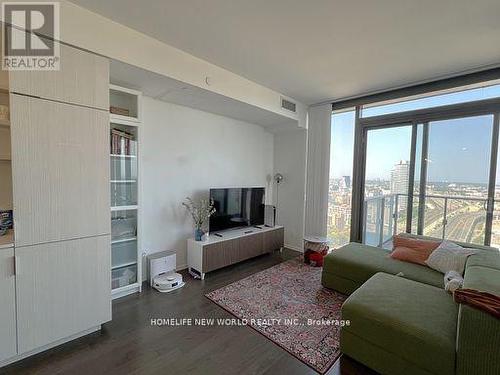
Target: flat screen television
(237, 207)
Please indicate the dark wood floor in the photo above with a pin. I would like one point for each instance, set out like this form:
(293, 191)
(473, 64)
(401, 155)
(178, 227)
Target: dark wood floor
(130, 345)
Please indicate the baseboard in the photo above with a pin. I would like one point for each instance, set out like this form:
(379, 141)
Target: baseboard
(296, 248)
(49, 346)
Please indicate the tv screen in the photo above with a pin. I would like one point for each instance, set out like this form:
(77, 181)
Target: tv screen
(237, 207)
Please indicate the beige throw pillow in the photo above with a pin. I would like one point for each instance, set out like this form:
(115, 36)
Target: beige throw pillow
(449, 257)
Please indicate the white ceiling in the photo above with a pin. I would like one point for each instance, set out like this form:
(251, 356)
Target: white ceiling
(169, 90)
(316, 50)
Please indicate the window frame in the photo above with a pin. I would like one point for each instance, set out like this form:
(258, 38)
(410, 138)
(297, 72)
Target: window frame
(413, 118)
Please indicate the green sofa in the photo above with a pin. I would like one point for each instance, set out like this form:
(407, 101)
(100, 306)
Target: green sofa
(402, 321)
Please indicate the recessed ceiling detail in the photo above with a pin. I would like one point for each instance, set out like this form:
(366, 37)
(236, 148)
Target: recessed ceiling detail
(313, 51)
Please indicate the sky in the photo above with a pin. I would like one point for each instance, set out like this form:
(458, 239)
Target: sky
(459, 150)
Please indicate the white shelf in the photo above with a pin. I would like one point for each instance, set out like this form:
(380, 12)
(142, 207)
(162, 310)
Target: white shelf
(124, 120)
(122, 156)
(125, 290)
(123, 266)
(124, 240)
(124, 250)
(124, 208)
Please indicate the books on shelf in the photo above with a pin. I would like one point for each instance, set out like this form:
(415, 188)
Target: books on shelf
(119, 111)
(121, 142)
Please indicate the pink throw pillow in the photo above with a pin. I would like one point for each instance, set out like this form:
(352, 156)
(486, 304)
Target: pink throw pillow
(415, 243)
(406, 254)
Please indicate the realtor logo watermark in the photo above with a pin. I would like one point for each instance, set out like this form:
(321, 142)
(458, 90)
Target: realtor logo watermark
(27, 50)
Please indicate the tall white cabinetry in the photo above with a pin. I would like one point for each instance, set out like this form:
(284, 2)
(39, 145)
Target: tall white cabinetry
(8, 334)
(125, 124)
(56, 273)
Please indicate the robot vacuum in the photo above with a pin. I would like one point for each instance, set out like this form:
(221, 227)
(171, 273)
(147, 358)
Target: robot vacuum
(162, 273)
(168, 282)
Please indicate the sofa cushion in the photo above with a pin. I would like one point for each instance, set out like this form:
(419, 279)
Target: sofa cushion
(358, 262)
(485, 258)
(478, 340)
(380, 360)
(411, 320)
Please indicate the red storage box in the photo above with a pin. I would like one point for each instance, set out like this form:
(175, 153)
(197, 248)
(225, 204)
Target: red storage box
(316, 259)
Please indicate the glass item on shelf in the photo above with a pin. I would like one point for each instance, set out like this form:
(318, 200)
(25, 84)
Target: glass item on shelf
(123, 225)
(123, 193)
(121, 277)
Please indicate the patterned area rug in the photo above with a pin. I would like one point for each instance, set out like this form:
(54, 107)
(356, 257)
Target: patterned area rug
(287, 304)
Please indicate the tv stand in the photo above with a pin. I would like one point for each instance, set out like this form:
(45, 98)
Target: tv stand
(231, 247)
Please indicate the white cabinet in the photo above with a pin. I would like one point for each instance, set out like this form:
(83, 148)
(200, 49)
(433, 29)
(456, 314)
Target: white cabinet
(7, 304)
(83, 79)
(62, 288)
(59, 286)
(60, 168)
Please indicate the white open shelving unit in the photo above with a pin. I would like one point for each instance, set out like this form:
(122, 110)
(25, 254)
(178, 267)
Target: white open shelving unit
(126, 265)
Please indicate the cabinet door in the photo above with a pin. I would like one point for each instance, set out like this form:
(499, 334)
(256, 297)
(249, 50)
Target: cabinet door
(7, 305)
(250, 246)
(83, 79)
(220, 254)
(63, 288)
(60, 171)
(273, 240)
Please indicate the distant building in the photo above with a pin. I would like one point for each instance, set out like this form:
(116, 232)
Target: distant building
(400, 175)
(339, 216)
(345, 183)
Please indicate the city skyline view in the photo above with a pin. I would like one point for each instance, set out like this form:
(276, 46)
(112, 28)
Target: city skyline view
(470, 145)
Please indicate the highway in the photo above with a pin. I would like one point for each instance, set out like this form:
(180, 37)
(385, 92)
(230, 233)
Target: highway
(461, 226)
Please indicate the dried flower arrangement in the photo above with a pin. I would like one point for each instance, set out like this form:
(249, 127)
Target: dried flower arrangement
(200, 212)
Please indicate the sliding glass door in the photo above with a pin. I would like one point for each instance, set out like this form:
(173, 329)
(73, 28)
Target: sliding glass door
(433, 176)
(387, 179)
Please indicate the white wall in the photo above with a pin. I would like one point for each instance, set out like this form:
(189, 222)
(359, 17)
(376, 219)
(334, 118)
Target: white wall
(184, 152)
(290, 161)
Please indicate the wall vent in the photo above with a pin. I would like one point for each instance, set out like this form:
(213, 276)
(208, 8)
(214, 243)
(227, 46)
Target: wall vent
(288, 105)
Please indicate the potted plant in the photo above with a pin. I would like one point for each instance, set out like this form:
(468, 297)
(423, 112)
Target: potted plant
(200, 212)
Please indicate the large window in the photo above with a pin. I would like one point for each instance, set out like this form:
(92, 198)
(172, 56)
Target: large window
(458, 168)
(425, 166)
(340, 185)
